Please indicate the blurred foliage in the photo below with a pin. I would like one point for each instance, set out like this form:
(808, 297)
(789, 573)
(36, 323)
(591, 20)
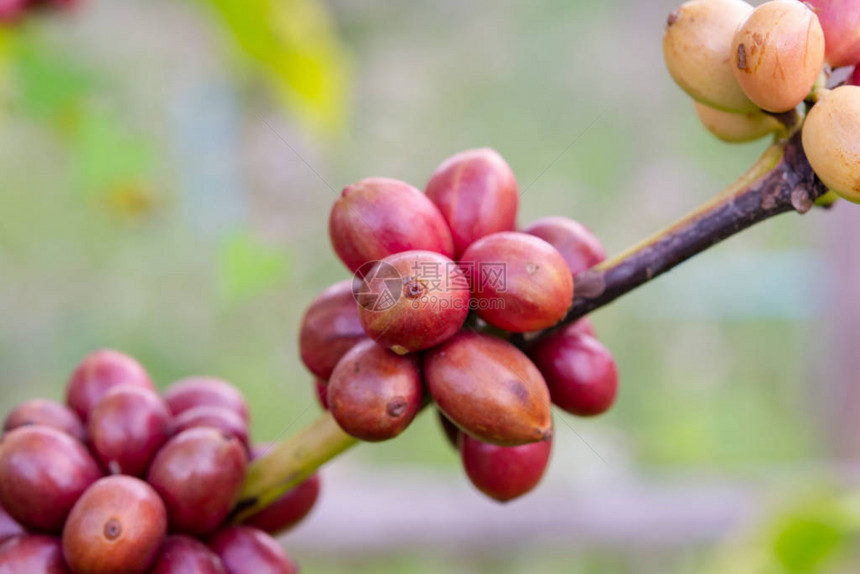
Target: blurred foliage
(249, 267)
(294, 43)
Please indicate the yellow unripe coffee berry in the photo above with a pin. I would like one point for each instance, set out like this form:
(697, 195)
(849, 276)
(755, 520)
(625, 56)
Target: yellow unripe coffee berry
(697, 48)
(778, 53)
(831, 140)
(736, 128)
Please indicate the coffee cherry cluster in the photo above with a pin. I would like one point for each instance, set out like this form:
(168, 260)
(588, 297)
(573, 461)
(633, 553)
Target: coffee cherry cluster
(442, 281)
(744, 65)
(13, 11)
(122, 480)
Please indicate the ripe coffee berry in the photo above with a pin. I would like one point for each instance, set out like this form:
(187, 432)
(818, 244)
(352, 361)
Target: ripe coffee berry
(476, 191)
(504, 472)
(489, 389)
(198, 474)
(290, 508)
(580, 372)
(46, 413)
(321, 391)
(520, 282)
(736, 128)
(579, 247)
(378, 217)
(330, 328)
(219, 418)
(697, 48)
(43, 471)
(185, 555)
(99, 372)
(243, 550)
(831, 142)
(840, 20)
(204, 391)
(777, 54)
(413, 300)
(374, 393)
(32, 554)
(126, 429)
(116, 527)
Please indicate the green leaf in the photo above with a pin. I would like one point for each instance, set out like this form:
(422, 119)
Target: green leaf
(294, 43)
(248, 267)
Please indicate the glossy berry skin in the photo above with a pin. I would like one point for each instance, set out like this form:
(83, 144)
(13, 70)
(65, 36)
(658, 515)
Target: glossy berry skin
(840, 20)
(489, 389)
(734, 127)
(185, 555)
(321, 391)
(777, 54)
(193, 392)
(291, 508)
(46, 413)
(219, 418)
(8, 527)
(99, 372)
(831, 143)
(330, 328)
(374, 393)
(43, 471)
(521, 283)
(578, 246)
(580, 372)
(378, 217)
(476, 191)
(32, 554)
(413, 300)
(504, 472)
(126, 429)
(697, 48)
(116, 527)
(244, 549)
(198, 474)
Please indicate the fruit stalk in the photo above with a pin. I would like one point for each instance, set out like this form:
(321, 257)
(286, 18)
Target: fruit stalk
(779, 182)
(289, 463)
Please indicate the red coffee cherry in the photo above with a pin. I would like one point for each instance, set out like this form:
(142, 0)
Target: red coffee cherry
(321, 389)
(854, 80)
(489, 389)
(126, 429)
(198, 474)
(222, 419)
(205, 391)
(99, 372)
(778, 53)
(330, 328)
(579, 247)
(374, 393)
(580, 372)
(243, 550)
(116, 527)
(520, 282)
(476, 191)
(184, 555)
(504, 472)
(46, 413)
(840, 20)
(697, 48)
(413, 300)
(378, 217)
(32, 554)
(291, 508)
(831, 142)
(43, 471)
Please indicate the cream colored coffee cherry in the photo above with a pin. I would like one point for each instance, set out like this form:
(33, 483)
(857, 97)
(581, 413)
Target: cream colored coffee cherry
(736, 128)
(697, 48)
(778, 53)
(831, 139)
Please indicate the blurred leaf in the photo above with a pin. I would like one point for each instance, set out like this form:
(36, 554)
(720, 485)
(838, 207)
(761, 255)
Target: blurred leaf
(294, 42)
(248, 267)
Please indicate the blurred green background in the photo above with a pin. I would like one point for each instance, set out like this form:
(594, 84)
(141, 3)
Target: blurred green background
(166, 171)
